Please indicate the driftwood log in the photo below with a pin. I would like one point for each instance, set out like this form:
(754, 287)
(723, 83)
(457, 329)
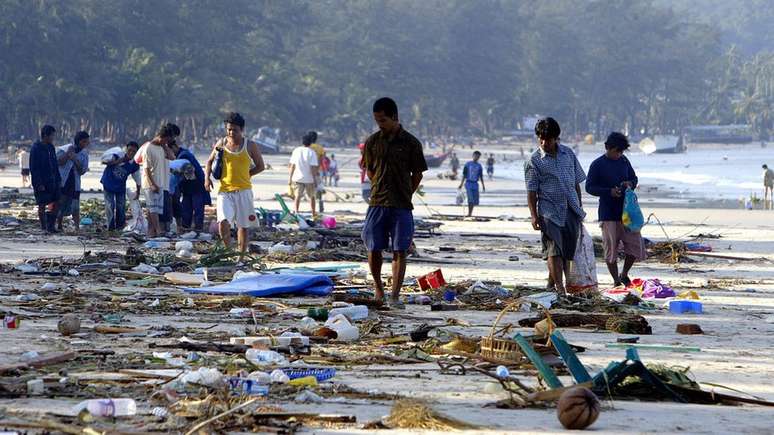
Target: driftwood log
(621, 323)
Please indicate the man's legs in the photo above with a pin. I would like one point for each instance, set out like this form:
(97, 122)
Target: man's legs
(319, 196)
(242, 240)
(224, 228)
(613, 269)
(43, 217)
(470, 210)
(76, 208)
(299, 192)
(556, 266)
(186, 211)
(120, 222)
(110, 210)
(197, 204)
(312, 204)
(153, 224)
(398, 273)
(375, 260)
(628, 263)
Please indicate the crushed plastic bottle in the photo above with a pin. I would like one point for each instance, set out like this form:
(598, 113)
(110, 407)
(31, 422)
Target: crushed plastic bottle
(260, 377)
(353, 312)
(279, 377)
(264, 357)
(203, 376)
(107, 407)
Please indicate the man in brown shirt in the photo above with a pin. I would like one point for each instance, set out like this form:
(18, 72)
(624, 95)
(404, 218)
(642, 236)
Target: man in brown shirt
(394, 161)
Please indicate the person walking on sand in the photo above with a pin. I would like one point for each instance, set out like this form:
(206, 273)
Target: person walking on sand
(472, 173)
(553, 176)
(394, 162)
(320, 151)
(24, 165)
(490, 162)
(241, 161)
(608, 178)
(191, 197)
(154, 156)
(455, 164)
(304, 173)
(768, 184)
(44, 174)
(333, 172)
(73, 162)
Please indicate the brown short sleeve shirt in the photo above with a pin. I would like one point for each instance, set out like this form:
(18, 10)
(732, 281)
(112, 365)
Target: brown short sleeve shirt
(393, 161)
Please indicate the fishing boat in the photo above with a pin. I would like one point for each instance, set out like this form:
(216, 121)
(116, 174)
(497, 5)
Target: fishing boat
(435, 160)
(662, 144)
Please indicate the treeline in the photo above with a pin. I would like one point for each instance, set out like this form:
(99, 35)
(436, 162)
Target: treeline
(120, 67)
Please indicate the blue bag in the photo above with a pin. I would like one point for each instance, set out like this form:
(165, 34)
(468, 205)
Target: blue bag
(632, 214)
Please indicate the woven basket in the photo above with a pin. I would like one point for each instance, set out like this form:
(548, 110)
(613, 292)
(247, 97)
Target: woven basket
(498, 348)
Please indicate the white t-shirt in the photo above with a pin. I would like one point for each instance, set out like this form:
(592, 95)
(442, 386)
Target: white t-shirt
(153, 157)
(24, 159)
(304, 158)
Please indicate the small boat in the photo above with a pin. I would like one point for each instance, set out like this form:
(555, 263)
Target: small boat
(435, 161)
(662, 144)
(268, 140)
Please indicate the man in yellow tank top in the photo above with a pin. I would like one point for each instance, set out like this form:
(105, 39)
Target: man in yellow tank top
(241, 160)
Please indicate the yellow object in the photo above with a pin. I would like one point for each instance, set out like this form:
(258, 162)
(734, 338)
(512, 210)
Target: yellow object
(688, 294)
(236, 170)
(589, 139)
(306, 381)
(319, 150)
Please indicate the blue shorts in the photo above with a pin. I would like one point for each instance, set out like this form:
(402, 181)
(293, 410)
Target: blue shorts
(388, 228)
(472, 192)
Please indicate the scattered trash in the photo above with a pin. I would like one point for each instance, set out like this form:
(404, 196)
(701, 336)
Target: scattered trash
(264, 357)
(681, 307)
(69, 324)
(35, 387)
(11, 322)
(145, 268)
(341, 328)
(29, 297)
(431, 280)
(26, 268)
(308, 396)
(688, 329)
(203, 376)
(49, 286)
(578, 408)
(107, 407)
(353, 312)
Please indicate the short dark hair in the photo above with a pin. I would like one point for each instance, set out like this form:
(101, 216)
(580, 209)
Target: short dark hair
(174, 128)
(132, 143)
(477, 153)
(547, 128)
(79, 136)
(234, 118)
(166, 130)
(46, 131)
(618, 141)
(306, 139)
(765, 167)
(386, 105)
(312, 136)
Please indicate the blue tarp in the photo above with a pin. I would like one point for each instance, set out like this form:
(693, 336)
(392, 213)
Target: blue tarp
(271, 285)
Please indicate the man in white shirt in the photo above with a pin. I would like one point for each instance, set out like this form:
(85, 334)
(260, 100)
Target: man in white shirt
(303, 173)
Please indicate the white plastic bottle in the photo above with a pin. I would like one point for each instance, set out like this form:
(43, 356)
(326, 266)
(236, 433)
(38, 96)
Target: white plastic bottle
(108, 407)
(264, 357)
(354, 312)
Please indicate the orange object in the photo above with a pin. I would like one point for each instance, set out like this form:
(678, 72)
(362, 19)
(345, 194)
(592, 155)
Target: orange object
(432, 280)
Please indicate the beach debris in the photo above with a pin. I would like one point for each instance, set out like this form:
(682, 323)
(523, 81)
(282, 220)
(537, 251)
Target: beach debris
(416, 414)
(688, 329)
(69, 324)
(681, 307)
(577, 408)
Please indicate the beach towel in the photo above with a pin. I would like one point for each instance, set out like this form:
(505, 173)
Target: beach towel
(264, 285)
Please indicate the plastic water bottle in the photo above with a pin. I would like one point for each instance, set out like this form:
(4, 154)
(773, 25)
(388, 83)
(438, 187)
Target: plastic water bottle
(502, 372)
(264, 357)
(108, 407)
(354, 312)
(279, 377)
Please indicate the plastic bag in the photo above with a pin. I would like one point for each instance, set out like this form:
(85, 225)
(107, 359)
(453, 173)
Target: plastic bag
(460, 197)
(112, 154)
(632, 214)
(138, 224)
(583, 271)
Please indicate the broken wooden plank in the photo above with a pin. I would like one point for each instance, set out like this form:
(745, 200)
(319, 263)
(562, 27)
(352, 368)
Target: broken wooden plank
(545, 372)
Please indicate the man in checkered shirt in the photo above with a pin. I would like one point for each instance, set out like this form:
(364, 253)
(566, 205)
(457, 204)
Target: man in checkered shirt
(553, 176)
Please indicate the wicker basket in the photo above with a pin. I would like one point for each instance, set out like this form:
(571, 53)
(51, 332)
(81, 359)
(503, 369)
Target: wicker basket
(497, 348)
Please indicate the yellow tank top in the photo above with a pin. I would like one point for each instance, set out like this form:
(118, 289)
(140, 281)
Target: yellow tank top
(236, 169)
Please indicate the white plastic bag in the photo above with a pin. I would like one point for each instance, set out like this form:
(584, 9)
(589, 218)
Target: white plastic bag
(583, 270)
(138, 224)
(112, 154)
(461, 197)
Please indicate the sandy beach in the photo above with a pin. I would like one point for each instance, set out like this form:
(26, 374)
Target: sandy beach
(736, 288)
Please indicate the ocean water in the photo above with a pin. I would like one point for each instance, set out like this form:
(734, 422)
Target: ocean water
(729, 173)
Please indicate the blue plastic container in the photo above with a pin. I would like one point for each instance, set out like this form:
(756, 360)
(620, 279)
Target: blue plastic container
(680, 307)
(322, 374)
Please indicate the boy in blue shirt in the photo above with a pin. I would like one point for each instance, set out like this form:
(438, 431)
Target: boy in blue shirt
(472, 173)
(609, 177)
(190, 195)
(114, 186)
